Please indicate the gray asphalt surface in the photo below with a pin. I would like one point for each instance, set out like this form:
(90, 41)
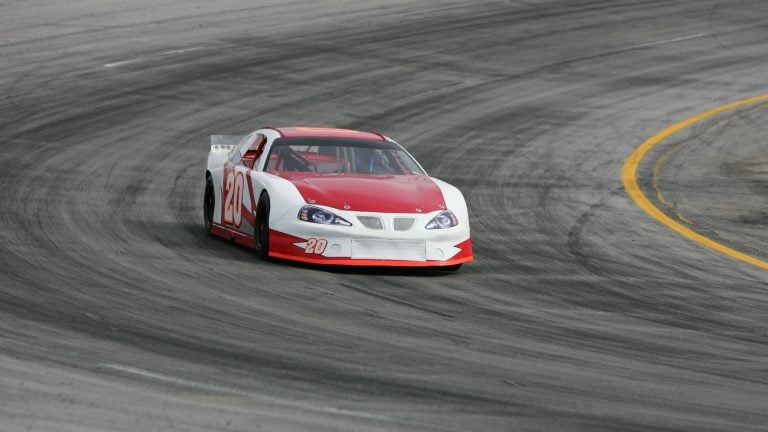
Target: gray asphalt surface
(117, 311)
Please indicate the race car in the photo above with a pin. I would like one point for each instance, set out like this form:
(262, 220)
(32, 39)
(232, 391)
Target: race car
(333, 196)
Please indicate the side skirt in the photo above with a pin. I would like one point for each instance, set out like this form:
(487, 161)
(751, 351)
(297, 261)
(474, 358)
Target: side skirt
(230, 234)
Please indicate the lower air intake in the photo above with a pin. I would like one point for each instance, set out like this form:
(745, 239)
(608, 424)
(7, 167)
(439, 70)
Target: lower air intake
(389, 250)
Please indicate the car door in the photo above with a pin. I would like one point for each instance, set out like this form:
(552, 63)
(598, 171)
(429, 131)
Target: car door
(239, 204)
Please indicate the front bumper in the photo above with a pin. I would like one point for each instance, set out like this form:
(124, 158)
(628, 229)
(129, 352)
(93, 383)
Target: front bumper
(399, 240)
(369, 251)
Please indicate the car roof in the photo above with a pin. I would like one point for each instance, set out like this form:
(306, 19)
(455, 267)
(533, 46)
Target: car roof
(323, 132)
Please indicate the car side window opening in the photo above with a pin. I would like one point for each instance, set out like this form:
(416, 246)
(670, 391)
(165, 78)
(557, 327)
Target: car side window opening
(254, 152)
(340, 156)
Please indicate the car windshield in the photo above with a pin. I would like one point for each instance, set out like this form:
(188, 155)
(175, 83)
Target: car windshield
(339, 155)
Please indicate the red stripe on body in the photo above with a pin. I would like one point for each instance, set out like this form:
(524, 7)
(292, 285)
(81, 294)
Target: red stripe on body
(466, 251)
(371, 263)
(250, 216)
(321, 132)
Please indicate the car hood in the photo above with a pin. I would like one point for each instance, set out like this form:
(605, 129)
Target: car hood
(369, 193)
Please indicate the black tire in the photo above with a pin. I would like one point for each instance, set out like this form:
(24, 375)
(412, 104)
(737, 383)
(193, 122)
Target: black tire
(209, 203)
(261, 230)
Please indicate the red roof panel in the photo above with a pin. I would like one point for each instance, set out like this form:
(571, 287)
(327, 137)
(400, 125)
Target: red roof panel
(321, 132)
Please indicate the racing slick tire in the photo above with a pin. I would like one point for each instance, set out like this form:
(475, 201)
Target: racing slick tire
(209, 203)
(261, 231)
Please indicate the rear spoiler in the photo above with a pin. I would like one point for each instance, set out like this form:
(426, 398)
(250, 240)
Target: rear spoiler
(225, 143)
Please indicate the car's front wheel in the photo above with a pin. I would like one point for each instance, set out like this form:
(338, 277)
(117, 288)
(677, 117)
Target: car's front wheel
(209, 202)
(261, 231)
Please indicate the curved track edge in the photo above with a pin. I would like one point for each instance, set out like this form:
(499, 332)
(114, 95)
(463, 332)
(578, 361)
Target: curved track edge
(629, 179)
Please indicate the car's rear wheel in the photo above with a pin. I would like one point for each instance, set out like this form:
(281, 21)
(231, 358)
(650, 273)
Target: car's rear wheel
(209, 202)
(261, 231)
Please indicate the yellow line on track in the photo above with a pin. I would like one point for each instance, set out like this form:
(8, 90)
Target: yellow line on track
(629, 178)
(655, 183)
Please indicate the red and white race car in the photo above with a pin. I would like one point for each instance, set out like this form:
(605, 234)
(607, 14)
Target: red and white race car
(333, 196)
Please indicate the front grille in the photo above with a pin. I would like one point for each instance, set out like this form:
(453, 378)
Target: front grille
(403, 224)
(371, 222)
(406, 250)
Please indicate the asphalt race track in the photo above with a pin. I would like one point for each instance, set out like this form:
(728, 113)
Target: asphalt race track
(581, 312)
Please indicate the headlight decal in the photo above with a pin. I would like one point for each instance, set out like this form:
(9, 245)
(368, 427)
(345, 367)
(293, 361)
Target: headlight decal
(444, 219)
(320, 216)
